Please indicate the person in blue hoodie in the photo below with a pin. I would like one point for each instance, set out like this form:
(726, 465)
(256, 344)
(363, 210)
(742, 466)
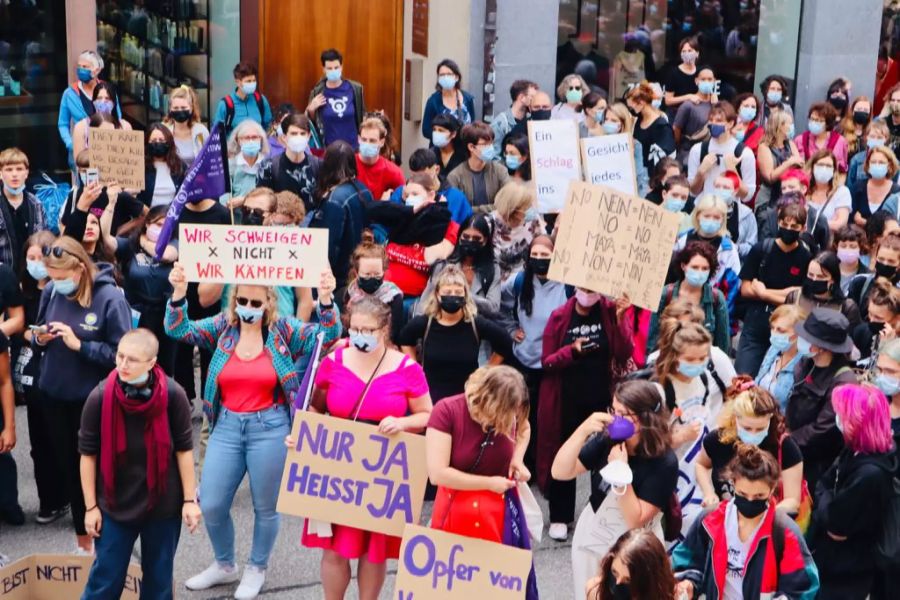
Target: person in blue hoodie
(424, 159)
(81, 318)
(77, 100)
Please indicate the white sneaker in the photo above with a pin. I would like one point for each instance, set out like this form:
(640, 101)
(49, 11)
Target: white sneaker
(558, 532)
(4, 560)
(79, 551)
(215, 574)
(251, 582)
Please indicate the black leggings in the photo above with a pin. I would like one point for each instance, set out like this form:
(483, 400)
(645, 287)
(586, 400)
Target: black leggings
(63, 420)
(47, 476)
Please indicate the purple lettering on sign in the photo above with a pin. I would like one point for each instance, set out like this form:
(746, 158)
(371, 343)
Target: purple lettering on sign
(318, 445)
(385, 462)
(393, 501)
(437, 569)
(348, 491)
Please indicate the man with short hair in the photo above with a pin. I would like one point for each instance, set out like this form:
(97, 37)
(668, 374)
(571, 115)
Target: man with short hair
(245, 102)
(521, 92)
(480, 177)
(336, 105)
(541, 104)
(376, 172)
(709, 159)
(21, 213)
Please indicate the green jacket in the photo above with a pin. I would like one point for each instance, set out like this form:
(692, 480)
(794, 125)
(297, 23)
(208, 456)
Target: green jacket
(359, 104)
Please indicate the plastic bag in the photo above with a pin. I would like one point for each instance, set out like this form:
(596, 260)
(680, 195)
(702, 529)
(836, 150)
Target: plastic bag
(52, 196)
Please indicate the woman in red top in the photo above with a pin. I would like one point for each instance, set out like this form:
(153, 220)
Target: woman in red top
(370, 382)
(745, 129)
(475, 446)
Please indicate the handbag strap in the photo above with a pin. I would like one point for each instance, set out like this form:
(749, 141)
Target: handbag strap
(487, 441)
(359, 402)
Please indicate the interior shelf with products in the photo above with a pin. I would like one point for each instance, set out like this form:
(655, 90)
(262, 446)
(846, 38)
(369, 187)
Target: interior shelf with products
(152, 47)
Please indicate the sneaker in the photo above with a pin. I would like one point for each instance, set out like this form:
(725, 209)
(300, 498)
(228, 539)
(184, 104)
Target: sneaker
(49, 515)
(4, 560)
(79, 551)
(215, 574)
(13, 516)
(251, 583)
(558, 532)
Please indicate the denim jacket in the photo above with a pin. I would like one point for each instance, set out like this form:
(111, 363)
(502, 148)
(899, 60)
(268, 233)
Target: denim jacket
(784, 380)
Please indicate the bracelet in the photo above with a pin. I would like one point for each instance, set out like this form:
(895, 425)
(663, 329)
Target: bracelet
(191, 501)
(87, 510)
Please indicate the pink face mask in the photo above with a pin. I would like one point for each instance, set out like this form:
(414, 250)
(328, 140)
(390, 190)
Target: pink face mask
(587, 299)
(153, 232)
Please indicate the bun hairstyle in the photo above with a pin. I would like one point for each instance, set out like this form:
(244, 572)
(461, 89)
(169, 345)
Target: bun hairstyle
(744, 398)
(885, 294)
(753, 464)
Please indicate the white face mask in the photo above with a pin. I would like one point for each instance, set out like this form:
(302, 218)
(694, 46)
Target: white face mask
(617, 474)
(297, 143)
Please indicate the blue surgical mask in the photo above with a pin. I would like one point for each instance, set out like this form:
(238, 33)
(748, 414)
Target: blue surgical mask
(610, 128)
(804, 348)
(656, 103)
(691, 370)
(823, 174)
(773, 97)
(874, 142)
(14, 191)
(334, 74)
(487, 154)
(104, 106)
(512, 162)
(706, 87)
(251, 147)
(139, 380)
(248, 88)
(440, 138)
(84, 75)
(599, 116)
(37, 269)
(66, 287)
(791, 131)
(739, 135)
(531, 214)
(364, 342)
(754, 439)
(727, 196)
(716, 129)
(414, 201)
(747, 114)
(573, 96)
(368, 150)
(816, 127)
(447, 82)
(248, 314)
(878, 171)
(710, 226)
(889, 386)
(780, 341)
(674, 204)
(696, 277)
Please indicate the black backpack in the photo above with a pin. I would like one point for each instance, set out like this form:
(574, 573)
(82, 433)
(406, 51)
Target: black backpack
(704, 149)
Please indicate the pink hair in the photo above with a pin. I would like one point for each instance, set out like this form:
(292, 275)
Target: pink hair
(865, 416)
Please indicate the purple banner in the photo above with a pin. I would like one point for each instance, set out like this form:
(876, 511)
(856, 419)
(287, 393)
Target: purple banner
(515, 534)
(207, 178)
(304, 394)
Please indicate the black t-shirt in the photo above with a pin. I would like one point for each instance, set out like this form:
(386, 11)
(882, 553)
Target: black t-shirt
(654, 479)
(657, 141)
(216, 214)
(450, 354)
(720, 455)
(127, 208)
(782, 269)
(586, 382)
(286, 175)
(10, 292)
(146, 284)
(456, 159)
(680, 83)
(20, 222)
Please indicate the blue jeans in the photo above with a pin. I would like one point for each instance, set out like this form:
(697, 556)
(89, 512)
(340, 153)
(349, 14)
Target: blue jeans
(159, 540)
(241, 443)
(754, 339)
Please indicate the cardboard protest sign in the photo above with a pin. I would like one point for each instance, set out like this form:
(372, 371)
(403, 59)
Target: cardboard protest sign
(555, 161)
(609, 161)
(56, 576)
(348, 473)
(254, 255)
(119, 156)
(438, 565)
(612, 243)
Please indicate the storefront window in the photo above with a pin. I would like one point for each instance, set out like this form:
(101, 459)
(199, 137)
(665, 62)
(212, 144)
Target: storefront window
(33, 74)
(888, 74)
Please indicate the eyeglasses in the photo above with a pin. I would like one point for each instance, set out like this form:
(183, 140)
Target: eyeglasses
(124, 360)
(245, 301)
(624, 414)
(56, 252)
(362, 331)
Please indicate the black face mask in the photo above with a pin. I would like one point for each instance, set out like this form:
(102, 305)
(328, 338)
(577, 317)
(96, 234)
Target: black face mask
(369, 284)
(634, 112)
(619, 591)
(540, 266)
(252, 217)
(180, 116)
(451, 304)
(540, 115)
(886, 271)
(813, 287)
(788, 236)
(875, 328)
(158, 149)
(469, 247)
(860, 117)
(838, 102)
(750, 508)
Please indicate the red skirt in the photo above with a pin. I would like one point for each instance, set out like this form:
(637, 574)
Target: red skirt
(475, 514)
(352, 543)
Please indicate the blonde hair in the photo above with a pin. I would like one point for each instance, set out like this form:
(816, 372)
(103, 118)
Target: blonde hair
(234, 147)
(74, 256)
(673, 338)
(885, 151)
(514, 196)
(623, 114)
(13, 156)
(879, 127)
(777, 119)
(264, 191)
(744, 399)
(563, 87)
(289, 204)
(270, 311)
(791, 312)
(374, 123)
(497, 398)
(451, 275)
(426, 179)
(680, 308)
(708, 202)
(185, 92)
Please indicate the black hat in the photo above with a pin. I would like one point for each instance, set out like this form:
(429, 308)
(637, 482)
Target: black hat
(826, 328)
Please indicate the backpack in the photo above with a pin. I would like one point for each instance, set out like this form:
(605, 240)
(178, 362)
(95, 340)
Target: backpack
(229, 109)
(704, 149)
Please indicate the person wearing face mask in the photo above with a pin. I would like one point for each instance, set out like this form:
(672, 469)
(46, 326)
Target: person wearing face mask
(516, 156)
(105, 102)
(854, 494)
(744, 547)
(825, 344)
(369, 264)
(879, 191)
(137, 470)
(752, 416)
(636, 566)
(446, 144)
(480, 177)
(424, 160)
(883, 322)
(21, 213)
(633, 475)
(674, 197)
(668, 168)
(827, 192)
(295, 170)
(616, 119)
(570, 92)
(245, 102)
(708, 159)
(776, 373)
(822, 135)
(696, 262)
(448, 98)
(876, 135)
(850, 244)
(593, 105)
(336, 105)
(838, 96)
(741, 222)
(375, 171)
(774, 89)
(184, 122)
(370, 382)
(81, 318)
(886, 264)
(541, 109)
(164, 169)
(252, 380)
(854, 123)
(521, 91)
(652, 127)
(248, 147)
(689, 125)
(449, 332)
(586, 344)
(887, 379)
(821, 287)
(474, 253)
(745, 128)
(515, 222)
(776, 155)
(681, 79)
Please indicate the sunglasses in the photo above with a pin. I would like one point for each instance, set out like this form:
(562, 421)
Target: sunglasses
(55, 251)
(245, 301)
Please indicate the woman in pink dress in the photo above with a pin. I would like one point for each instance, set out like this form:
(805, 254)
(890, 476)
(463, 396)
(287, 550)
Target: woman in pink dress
(370, 382)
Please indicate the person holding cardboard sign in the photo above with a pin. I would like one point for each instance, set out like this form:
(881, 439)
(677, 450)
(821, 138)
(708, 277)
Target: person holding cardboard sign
(252, 378)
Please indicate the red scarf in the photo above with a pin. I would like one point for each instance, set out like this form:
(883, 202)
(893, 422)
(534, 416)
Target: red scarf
(157, 439)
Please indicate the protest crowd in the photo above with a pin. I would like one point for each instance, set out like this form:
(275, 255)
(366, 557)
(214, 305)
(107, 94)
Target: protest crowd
(740, 434)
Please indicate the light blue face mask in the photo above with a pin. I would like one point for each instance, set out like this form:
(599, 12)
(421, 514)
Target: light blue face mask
(512, 162)
(878, 171)
(14, 191)
(531, 214)
(691, 370)
(368, 150)
(773, 97)
(611, 128)
(139, 380)
(710, 226)
(706, 87)
(889, 386)
(573, 96)
(251, 147)
(727, 196)
(440, 138)
(791, 131)
(780, 341)
(739, 135)
(487, 154)
(66, 287)
(364, 342)
(748, 437)
(37, 269)
(747, 114)
(822, 174)
(447, 82)
(816, 127)
(599, 116)
(674, 204)
(248, 314)
(696, 277)
(333, 75)
(248, 88)
(656, 103)
(804, 348)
